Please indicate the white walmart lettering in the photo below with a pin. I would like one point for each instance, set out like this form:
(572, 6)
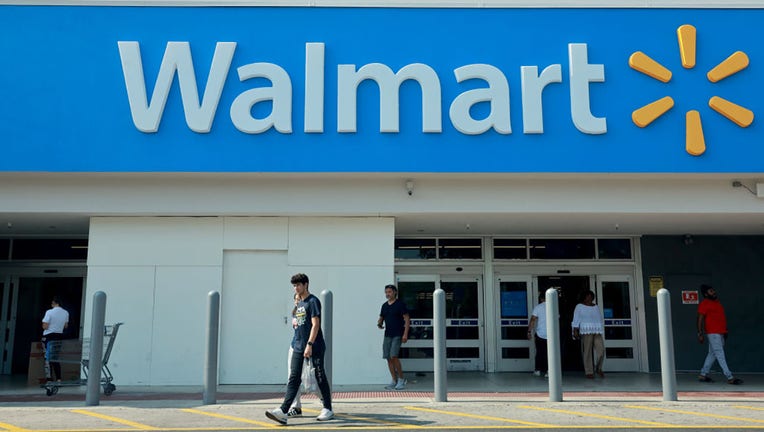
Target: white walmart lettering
(147, 115)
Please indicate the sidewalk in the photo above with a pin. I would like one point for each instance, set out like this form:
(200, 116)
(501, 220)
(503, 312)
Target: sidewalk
(476, 401)
(461, 386)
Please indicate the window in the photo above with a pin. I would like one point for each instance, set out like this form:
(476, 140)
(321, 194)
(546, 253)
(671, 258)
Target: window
(562, 249)
(415, 249)
(49, 249)
(5, 244)
(518, 249)
(460, 249)
(513, 249)
(614, 248)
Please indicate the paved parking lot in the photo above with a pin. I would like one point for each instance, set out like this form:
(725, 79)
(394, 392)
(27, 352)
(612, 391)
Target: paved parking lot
(390, 414)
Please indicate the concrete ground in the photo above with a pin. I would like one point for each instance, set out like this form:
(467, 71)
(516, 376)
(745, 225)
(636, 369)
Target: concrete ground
(476, 401)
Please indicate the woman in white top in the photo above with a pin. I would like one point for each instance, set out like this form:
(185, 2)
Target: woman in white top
(589, 326)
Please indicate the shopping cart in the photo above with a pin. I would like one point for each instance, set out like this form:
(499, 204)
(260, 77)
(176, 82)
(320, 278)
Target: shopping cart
(66, 351)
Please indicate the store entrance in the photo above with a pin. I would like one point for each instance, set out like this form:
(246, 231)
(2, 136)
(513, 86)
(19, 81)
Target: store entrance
(25, 295)
(464, 322)
(571, 290)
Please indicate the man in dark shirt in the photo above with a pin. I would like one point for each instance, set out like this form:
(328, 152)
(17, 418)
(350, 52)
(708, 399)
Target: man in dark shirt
(308, 343)
(395, 316)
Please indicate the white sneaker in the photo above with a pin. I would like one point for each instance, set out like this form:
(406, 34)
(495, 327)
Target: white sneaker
(277, 415)
(326, 414)
(390, 386)
(536, 373)
(401, 384)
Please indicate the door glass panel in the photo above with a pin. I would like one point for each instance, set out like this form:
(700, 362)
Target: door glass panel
(616, 309)
(515, 353)
(513, 296)
(461, 299)
(619, 353)
(615, 299)
(514, 299)
(462, 352)
(418, 299)
(462, 319)
(416, 353)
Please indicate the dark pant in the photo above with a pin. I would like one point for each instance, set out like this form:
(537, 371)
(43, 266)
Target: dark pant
(541, 355)
(295, 379)
(52, 344)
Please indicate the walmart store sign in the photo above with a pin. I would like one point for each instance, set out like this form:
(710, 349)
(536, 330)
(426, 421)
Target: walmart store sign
(199, 116)
(380, 90)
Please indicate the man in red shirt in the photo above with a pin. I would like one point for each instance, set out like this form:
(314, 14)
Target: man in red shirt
(713, 323)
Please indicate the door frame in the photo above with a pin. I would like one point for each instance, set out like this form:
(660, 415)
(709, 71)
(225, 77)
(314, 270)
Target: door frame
(594, 271)
(426, 365)
(468, 364)
(614, 364)
(519, 364)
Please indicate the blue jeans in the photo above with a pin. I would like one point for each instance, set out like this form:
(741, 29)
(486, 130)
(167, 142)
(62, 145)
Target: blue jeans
(295, 379)
(716, 352)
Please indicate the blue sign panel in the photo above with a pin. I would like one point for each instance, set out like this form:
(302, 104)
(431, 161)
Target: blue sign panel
(462, 323)
(514, 323)
(618, 322)
(266, 89)
(514, 304)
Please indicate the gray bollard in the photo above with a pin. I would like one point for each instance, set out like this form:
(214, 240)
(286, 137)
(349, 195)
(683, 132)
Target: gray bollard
(439, 344)
(553, 345)
(210, 392)
(666, 335)
(95, 360)
(327, 306)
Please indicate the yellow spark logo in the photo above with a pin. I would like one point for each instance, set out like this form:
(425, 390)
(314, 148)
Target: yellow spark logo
(694, 142)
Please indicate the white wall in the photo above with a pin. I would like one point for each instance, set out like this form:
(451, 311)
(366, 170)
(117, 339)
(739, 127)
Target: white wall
(157, 271)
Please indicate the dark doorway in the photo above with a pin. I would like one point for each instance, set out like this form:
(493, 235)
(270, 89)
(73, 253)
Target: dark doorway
(570, 289)
(35, 294)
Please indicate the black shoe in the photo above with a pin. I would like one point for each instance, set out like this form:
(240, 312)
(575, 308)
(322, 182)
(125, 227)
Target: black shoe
(703, 378)
(735, 381)
(295, 412)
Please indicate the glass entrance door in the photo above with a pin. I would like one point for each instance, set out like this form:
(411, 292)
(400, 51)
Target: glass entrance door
(616, 299)
(464, 326)
(514, 349)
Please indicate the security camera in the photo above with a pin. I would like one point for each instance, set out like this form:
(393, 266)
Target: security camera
(410, 187)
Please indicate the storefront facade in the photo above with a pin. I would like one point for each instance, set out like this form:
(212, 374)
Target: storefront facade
(493, 152)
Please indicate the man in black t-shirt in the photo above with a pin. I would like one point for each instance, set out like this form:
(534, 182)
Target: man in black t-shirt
(308, 343)
(395, 316)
